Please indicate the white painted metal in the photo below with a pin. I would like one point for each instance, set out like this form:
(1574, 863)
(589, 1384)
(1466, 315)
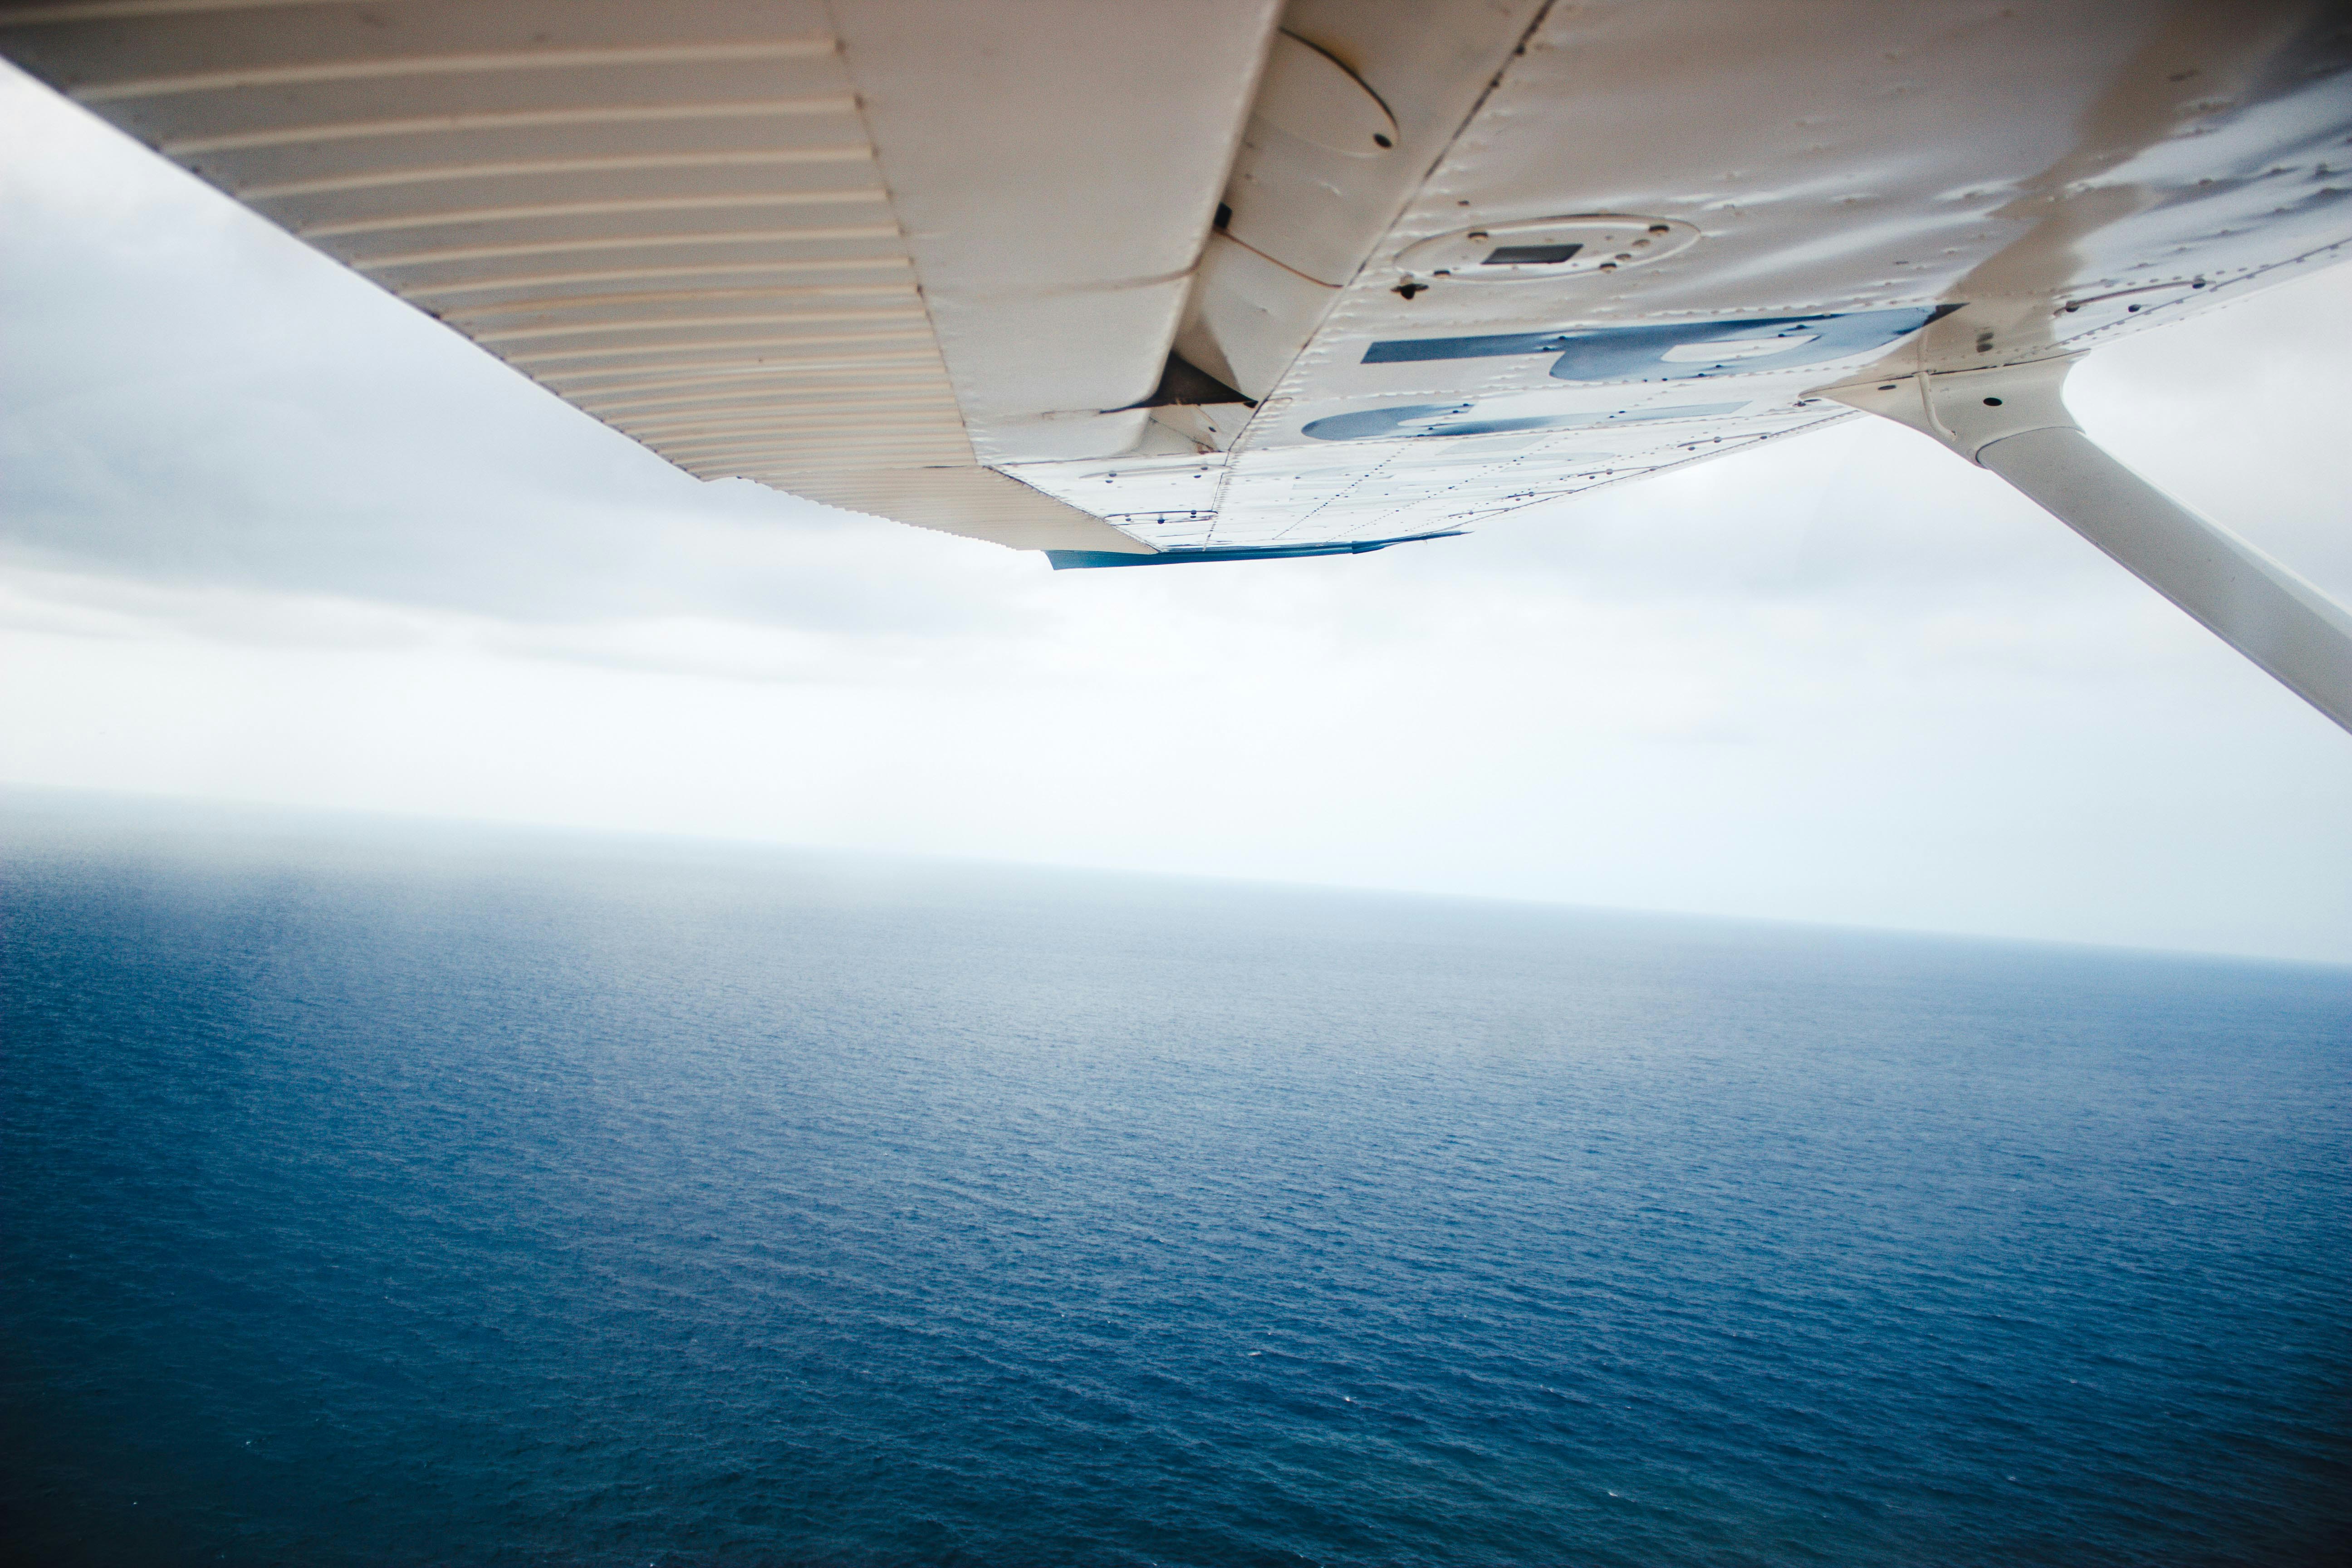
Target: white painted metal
(2048, 177)
(2014, 420)
(1056, 164)
(1515, 252)
(1307, 95)
(1300, 216)
(2251, 602)
(1834, 158)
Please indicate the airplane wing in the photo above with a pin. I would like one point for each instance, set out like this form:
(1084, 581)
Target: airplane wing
(1147, 283)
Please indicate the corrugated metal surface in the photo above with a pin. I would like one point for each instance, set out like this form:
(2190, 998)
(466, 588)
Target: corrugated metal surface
(669, 215)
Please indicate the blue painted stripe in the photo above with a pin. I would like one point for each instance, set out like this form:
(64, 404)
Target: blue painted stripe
(1072, 559)
(1392, 423)
(1637, 353)
(1397, 351)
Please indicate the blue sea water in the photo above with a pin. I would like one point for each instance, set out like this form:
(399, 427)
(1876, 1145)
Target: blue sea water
(382, 1194)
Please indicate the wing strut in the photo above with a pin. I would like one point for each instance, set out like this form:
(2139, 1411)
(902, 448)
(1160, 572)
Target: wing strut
(2013, 420)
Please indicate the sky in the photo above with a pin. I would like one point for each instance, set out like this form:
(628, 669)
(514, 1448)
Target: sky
(268, 535)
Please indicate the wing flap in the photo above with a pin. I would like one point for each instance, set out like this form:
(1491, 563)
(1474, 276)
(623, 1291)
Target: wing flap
(1056, 164)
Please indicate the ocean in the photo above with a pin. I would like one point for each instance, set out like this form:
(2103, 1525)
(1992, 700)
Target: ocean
(391, 1193)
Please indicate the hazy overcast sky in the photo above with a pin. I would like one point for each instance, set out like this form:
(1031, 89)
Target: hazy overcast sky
(269, 535)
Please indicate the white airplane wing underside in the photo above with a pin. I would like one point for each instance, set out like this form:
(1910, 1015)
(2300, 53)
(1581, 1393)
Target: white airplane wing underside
(1417, 265)
(1140, 282)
